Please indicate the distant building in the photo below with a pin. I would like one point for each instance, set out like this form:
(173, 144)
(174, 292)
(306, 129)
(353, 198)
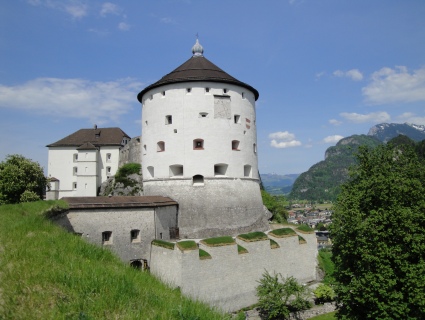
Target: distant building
(80, 162)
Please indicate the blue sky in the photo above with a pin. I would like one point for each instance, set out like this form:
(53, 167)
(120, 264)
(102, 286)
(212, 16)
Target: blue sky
(325, 69)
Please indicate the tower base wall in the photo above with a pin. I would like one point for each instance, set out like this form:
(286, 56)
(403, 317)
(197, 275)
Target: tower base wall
(220, 206)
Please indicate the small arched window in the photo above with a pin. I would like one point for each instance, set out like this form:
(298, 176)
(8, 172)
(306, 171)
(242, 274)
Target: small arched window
(160, 146)
(198, 180)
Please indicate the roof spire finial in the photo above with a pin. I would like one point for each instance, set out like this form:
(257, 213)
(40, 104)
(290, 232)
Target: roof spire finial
(197, 49)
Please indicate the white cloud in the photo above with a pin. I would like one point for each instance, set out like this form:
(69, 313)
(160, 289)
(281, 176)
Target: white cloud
(335, 122)
(353, 74)
(75, 8)
(283, 139)
(332, 139)
(374, 117)
(109, 8)
(395, 85)
(410, 117)
(123, 26)
(99, 102)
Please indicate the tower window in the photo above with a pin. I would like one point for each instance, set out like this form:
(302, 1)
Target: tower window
(74, 185)
(198, 144)
(160, 146)
(108, 171)
(151, 172)
(203, 114)
(247, 171)
(109, 156)
(175, 130)
(188, 90)
(75, 157)
(198, 180)
(144, 147)
(176, 170)
(74, 171)
(107, 237)
(235, 145)
(243, 95)
(168, 119)
(135, 235)
(255, 148)
(163, 93)
(225, 90)
(220, 169)
(207, 90)
(237, 118)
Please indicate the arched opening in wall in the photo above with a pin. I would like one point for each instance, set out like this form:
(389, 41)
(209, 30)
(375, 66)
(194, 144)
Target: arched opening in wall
(151, 172)
(135, 236)
(198, 144)
(198, 180)
(107, 237)
(203, 114)
(160, 146)
(136, 264)
(235, 145)
(176, 170)
(247, 171)
(220, 169)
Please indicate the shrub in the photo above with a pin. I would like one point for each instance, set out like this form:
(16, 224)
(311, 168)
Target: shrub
(277, 299)
(127, 169)
(324, 293)
(29, 196)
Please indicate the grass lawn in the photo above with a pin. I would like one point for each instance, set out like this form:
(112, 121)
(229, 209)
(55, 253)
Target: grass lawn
(326, 316)
(47, 273)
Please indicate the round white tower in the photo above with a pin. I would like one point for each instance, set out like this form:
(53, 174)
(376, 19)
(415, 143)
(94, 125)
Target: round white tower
(200, 148)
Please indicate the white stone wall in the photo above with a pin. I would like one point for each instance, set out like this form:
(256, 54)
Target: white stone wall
(90, 223)
(60, 165)
(229, 201)
(229, 279)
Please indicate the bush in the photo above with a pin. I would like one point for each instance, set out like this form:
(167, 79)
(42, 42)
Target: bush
(277, 299)
(127, 169)
(29, 196)
(324, 293)
(276, 206)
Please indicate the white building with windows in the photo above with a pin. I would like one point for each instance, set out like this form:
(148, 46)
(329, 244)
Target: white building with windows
(80, 162)
(200, 148)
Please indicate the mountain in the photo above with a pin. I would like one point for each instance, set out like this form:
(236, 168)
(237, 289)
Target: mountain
(323, 180)
(386, 131)
(278, 184)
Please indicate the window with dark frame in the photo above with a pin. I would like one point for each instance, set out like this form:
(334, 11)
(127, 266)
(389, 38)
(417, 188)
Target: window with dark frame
(135, 235)
(198, 144)
(107, 237)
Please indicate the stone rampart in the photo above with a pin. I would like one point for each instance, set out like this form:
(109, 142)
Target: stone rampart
(229, 279)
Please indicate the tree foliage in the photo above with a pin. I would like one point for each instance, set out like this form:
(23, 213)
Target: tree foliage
(21, 180)
(278, 296)
(378, 234)
(276, 205)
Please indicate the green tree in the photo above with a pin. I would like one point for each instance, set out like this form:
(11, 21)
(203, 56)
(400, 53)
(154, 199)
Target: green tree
(276, 205)
(378, 234)
(278, 298)
(21, 180)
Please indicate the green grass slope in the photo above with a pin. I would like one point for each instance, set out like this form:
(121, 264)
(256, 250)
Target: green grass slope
(47, 273)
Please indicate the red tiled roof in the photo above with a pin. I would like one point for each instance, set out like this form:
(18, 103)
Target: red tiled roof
(197, 68)
(118, 202)
(96, 136)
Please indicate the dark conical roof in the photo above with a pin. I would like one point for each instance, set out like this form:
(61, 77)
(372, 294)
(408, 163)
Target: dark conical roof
(197, 68)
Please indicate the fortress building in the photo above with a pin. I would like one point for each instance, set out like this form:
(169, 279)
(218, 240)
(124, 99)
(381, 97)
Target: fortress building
(200, 148)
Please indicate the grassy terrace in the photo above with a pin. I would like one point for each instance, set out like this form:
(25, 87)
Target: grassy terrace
(187, 245)
(274, 244)
(203, 255)
(163, 244)
(305, 229)
(218, 241)
(242, 250)
(47, 273)
(283, 233)
(253, 236)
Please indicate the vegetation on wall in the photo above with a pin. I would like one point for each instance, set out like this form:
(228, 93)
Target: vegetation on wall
(124, 183)
(48, 273)
(378, 234)
(21, 180)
